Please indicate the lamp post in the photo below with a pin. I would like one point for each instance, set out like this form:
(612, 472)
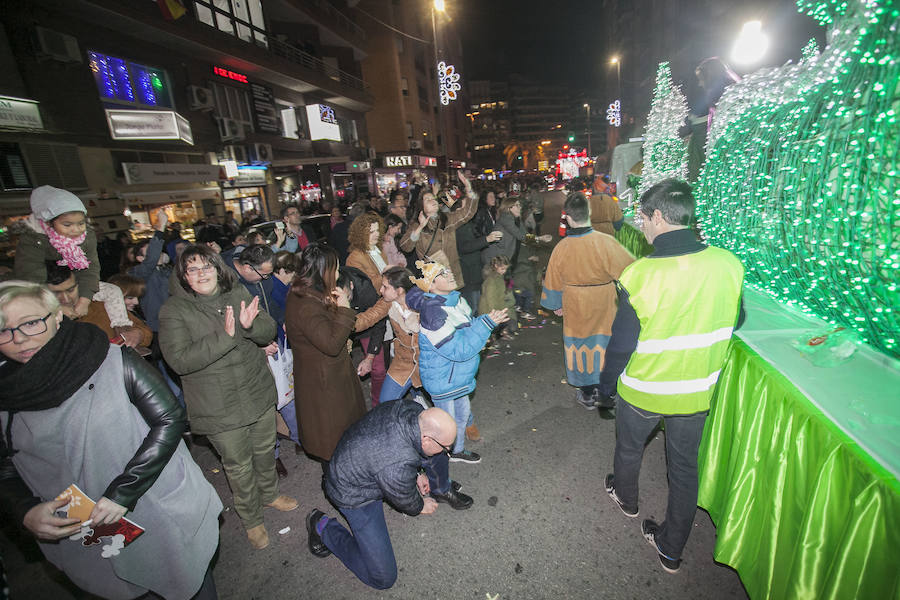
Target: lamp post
(615, 61)
(587, 108)
(438, 6)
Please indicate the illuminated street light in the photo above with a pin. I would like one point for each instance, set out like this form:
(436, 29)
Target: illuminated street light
(587, 107)
(751, 44)
(439, 5)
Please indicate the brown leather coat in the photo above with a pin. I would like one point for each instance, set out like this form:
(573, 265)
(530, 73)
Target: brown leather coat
(405, 362)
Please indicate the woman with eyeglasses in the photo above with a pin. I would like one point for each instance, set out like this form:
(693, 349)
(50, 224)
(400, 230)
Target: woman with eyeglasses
(212, 332)
(76, 409)
(319, 321)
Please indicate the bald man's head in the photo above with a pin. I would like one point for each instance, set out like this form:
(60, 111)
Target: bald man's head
(438, 430)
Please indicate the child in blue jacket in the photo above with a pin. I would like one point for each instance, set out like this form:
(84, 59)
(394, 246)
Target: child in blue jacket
(450, 341)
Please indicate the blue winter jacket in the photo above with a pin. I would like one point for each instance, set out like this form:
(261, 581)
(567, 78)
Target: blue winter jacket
(450, 341)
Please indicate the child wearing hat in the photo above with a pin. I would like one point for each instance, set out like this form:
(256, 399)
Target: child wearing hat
(450, 342)
(57, 231)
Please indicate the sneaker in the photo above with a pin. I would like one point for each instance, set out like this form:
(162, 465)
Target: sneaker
(611, 490)
(456, 500)
(585, 401)
(649, 529)
(528, 316)
(465, 456)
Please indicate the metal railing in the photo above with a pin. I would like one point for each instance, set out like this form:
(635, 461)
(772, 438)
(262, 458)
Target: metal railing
(309, 61)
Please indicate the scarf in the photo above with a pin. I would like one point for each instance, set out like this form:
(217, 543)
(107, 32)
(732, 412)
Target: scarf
(57, 371)
(68, 248)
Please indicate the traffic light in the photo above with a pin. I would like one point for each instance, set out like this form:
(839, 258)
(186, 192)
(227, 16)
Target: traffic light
(571, 137)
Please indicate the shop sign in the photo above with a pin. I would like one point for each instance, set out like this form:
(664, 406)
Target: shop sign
(229, 74)
(398, 161)
(264, 109)
(323, 123)
(20, 113)
(426, 161)
(169, 173)
(148, 125)
(247, 178)
(137, 199)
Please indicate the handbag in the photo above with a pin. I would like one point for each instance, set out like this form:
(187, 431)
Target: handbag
(282, 367)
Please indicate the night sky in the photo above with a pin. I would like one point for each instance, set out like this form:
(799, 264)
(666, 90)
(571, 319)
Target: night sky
(563, 42)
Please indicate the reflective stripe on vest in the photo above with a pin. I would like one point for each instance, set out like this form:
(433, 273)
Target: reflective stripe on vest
(664, 388)
(684, 342)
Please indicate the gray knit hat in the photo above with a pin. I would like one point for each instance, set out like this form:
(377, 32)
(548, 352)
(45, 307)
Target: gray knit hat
(48, 202)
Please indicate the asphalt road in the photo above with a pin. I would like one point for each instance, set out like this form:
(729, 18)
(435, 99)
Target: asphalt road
(541, 527)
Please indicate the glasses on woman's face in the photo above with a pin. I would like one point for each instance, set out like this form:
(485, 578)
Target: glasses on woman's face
(29, 328)
(446, 449)
(194, 271)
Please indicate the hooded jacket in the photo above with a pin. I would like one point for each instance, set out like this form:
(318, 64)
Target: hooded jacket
(226, 379)
(450, 342)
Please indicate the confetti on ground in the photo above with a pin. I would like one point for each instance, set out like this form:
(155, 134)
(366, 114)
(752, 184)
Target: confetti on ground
(284, 531)
(512, 363)
(493, 355)
(214, 470)
(562, 381)
(534, 429)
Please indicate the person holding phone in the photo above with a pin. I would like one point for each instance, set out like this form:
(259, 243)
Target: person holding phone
(433, 236)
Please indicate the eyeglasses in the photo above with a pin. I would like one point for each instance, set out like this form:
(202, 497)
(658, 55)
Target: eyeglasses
(197, 270)
(29, 328)
(444, 448)
(261, 276)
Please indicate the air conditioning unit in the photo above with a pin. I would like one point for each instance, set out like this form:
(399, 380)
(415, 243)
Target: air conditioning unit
(415, 145)
(261, 153)
(201, 98)
(55, 45)
(230, 130)
(235, 153)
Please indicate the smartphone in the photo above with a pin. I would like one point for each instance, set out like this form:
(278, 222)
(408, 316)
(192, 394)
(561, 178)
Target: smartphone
(279, 225)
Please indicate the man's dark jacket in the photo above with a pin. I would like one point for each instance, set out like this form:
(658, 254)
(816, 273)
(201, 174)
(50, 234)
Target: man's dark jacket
(378, 458)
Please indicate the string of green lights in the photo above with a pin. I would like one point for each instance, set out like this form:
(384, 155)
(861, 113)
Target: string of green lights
(801, 174)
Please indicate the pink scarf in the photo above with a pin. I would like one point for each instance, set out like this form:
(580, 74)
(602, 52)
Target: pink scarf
(68, 248)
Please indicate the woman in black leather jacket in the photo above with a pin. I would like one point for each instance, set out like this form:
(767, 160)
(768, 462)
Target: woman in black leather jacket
(76, 409)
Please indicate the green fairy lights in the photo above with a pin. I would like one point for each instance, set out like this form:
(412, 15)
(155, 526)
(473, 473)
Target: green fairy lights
(801, 174)
(665, 154)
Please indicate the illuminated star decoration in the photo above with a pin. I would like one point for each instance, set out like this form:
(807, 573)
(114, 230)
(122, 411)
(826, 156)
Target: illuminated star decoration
(801, 174)
(614, 114)
(449, 80)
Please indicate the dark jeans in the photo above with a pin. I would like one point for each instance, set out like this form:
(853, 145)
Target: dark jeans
(683, 433)
(367, 551)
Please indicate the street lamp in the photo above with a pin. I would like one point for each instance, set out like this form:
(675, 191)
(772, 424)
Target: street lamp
(438, 6)
(615, 61)
(587, 107)
(751, 45)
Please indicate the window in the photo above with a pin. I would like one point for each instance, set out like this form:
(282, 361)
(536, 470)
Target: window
(409, 130)
(289, 126)
(404, 86)
(240, 18)
(232, 103)
(123, 82)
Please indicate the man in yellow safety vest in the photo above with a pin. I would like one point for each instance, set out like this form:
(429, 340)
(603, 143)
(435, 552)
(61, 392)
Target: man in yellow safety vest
(677, 310)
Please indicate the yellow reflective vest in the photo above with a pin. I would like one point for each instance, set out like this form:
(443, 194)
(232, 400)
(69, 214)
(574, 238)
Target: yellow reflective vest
(687, 306)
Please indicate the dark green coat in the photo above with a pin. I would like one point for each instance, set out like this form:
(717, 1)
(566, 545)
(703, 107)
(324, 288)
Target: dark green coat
(226, 380)
(34, 248)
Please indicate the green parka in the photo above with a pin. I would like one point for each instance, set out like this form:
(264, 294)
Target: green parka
(226, 380)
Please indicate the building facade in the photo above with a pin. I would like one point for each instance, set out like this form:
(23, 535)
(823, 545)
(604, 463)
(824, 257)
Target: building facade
(221, 106)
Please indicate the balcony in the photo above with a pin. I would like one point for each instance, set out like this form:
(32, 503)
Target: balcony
(324, 14)
(266, 59)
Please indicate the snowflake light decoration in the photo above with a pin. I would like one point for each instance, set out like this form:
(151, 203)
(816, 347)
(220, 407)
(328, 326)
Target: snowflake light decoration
(614, 114)
(449, 81)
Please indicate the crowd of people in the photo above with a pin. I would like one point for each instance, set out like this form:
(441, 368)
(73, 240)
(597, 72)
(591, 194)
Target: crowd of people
(188, 336)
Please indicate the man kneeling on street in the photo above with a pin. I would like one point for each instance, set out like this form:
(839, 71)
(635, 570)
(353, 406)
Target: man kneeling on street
(398, 452)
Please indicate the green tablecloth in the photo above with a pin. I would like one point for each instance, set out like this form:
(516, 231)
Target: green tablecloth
(633, 240)
(801, 511)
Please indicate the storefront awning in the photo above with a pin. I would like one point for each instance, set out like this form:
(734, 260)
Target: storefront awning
(316, 160)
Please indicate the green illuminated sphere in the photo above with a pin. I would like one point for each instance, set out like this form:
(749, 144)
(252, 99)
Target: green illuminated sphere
(801, 174)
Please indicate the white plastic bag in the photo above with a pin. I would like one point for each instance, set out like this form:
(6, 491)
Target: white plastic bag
(282, 367)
